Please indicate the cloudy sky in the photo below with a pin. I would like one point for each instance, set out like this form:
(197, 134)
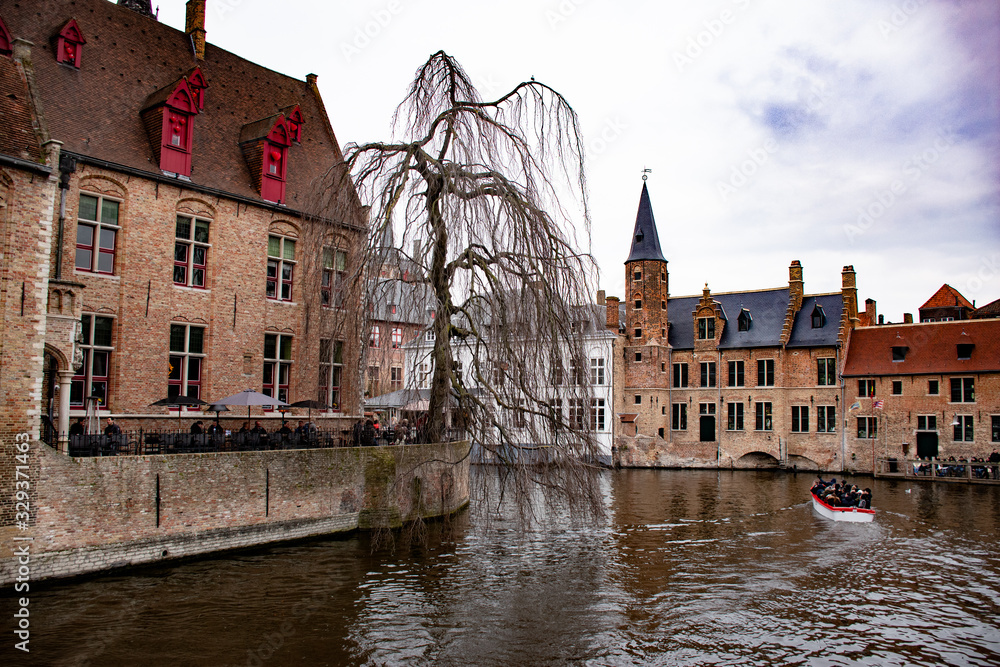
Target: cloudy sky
(862, 132)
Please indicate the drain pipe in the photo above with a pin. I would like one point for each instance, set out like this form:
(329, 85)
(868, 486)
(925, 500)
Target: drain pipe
(67, 166)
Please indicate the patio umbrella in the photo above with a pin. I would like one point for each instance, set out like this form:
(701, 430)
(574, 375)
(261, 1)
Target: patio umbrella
(217, 408)
(178, 402)
(249, 397)
(311, 405)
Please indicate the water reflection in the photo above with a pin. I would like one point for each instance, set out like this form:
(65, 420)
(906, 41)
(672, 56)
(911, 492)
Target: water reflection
(728, 568)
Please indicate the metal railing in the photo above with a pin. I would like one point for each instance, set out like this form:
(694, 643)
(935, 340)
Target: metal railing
(938, 469)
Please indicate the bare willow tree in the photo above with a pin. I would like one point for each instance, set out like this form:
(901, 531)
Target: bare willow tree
(493, 192)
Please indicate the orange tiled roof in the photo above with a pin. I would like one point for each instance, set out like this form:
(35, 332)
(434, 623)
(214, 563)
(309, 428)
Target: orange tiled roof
(932, 348)
(947, 297)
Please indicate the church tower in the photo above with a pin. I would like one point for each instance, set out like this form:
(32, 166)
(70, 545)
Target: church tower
(646, 286)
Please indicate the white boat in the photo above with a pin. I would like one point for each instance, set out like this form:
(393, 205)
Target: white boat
(855, 514)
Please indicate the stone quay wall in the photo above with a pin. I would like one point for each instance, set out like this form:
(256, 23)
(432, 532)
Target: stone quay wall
(94, 514)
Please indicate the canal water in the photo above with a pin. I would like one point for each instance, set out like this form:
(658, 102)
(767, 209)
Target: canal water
(690, 568)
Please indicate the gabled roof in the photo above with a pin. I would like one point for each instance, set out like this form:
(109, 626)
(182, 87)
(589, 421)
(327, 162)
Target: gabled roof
(645, 242)
(932, 348)
(947, 297)
(95, 111)
(991, 309)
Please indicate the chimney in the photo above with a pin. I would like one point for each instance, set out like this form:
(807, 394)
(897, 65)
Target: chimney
(194, 26)
(870, 311)
(907, 318)
(849, 292)
(612, 305)
(881, 319)
(143, 7)
(311, 79)
(600, 297)
(795, 283)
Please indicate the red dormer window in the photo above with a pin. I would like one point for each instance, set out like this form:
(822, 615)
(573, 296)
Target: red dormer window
(69, 44)
(295, 123)
(6, 41)
(272, 187)
(197, 84)
(178, 125)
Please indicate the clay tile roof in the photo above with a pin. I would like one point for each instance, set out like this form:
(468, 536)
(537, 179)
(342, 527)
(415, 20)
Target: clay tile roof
(947, 297)
(18, 138)
(932, 348)
(991, 309)
(257, 129)
(95, 111)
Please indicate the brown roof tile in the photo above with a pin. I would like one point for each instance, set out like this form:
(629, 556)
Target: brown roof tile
(992, 309)
(946, 297)
(932, 348)
(94, 111)
(18, 138)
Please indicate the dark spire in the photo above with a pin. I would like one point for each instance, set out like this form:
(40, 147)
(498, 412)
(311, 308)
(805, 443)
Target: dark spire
(143, 7)
(645, 242)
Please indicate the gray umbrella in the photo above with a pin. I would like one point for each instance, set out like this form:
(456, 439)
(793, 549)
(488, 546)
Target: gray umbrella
(311, 405)
(249, 397)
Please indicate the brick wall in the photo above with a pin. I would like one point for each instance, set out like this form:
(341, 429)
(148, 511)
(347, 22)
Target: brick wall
(97, 513)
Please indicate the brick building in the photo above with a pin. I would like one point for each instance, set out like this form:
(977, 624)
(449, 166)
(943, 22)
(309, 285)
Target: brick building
(738, 379)
(154, 190)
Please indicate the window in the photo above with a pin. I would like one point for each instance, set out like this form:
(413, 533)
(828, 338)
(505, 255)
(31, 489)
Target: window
(277, 366)
(425, 375)
(187, 354)
(867, 428)
(397, 337)
(734, 417)
(274, 162)
(899, 352)
(69, 44)
(190, 251)
(679, 417)
(706, 328)
(6, 41)
(763, 417)
(663, 276)
(708, 374)
(176, 119)
(638, 333)
(927, 422)
(736, 373)
(331, 369)
(280, 267)
(637, 274)
(456, 369)
(96, 230)
(963, 428)
(375, 338)
(663, 304)
(818, 317)
(334, 278)
(866, 388)
(963, 390)
(295, 122)
(97, 345)
(555, 414)
(396, 378)
(576, 372)
(597, 414)
(374, 384)
(965, 350)
(933, 388)
(826, 372)
(996, 428)
(576, 413)
(826, 419)
(557, 372)
(429, 336)
(638, 356)
(744, 321)
(680, 375)
(638, 399)
(800, 419)
(638, 303)
(597, 371)
(765, 372)
(897, 387)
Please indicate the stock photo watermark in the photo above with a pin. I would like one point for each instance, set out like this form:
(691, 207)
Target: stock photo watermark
(912, 170)
(22, 544)
(561, 12)
(899, 17)
(713, 29)
(365, 34)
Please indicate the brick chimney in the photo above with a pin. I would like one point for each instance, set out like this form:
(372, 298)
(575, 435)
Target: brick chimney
(600, 297)
(795, 288)
(907, 318)
(871, 312)
(194, 26)
(612, 321)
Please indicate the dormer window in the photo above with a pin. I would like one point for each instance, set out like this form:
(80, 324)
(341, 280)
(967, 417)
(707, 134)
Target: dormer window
(169, 118)
(295, 123)
(196, 82)
(965, 350)
(899, 352)
(818, 317)
(6, 41)
(69, 44)
(706, 328)
(265, 147)
(744, 321)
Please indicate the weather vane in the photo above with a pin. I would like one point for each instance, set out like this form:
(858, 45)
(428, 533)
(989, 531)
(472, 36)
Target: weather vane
(646, 171)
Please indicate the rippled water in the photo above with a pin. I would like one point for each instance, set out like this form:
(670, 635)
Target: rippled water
(692, 567)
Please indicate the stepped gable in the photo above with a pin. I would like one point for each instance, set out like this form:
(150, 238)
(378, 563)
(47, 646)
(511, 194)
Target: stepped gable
(645, 241)
(947, 297)
(804, 334)
(95, 110)
(18, 138)
(931, 348)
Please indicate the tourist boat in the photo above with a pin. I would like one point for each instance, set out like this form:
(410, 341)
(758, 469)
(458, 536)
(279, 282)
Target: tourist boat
(855, 514)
